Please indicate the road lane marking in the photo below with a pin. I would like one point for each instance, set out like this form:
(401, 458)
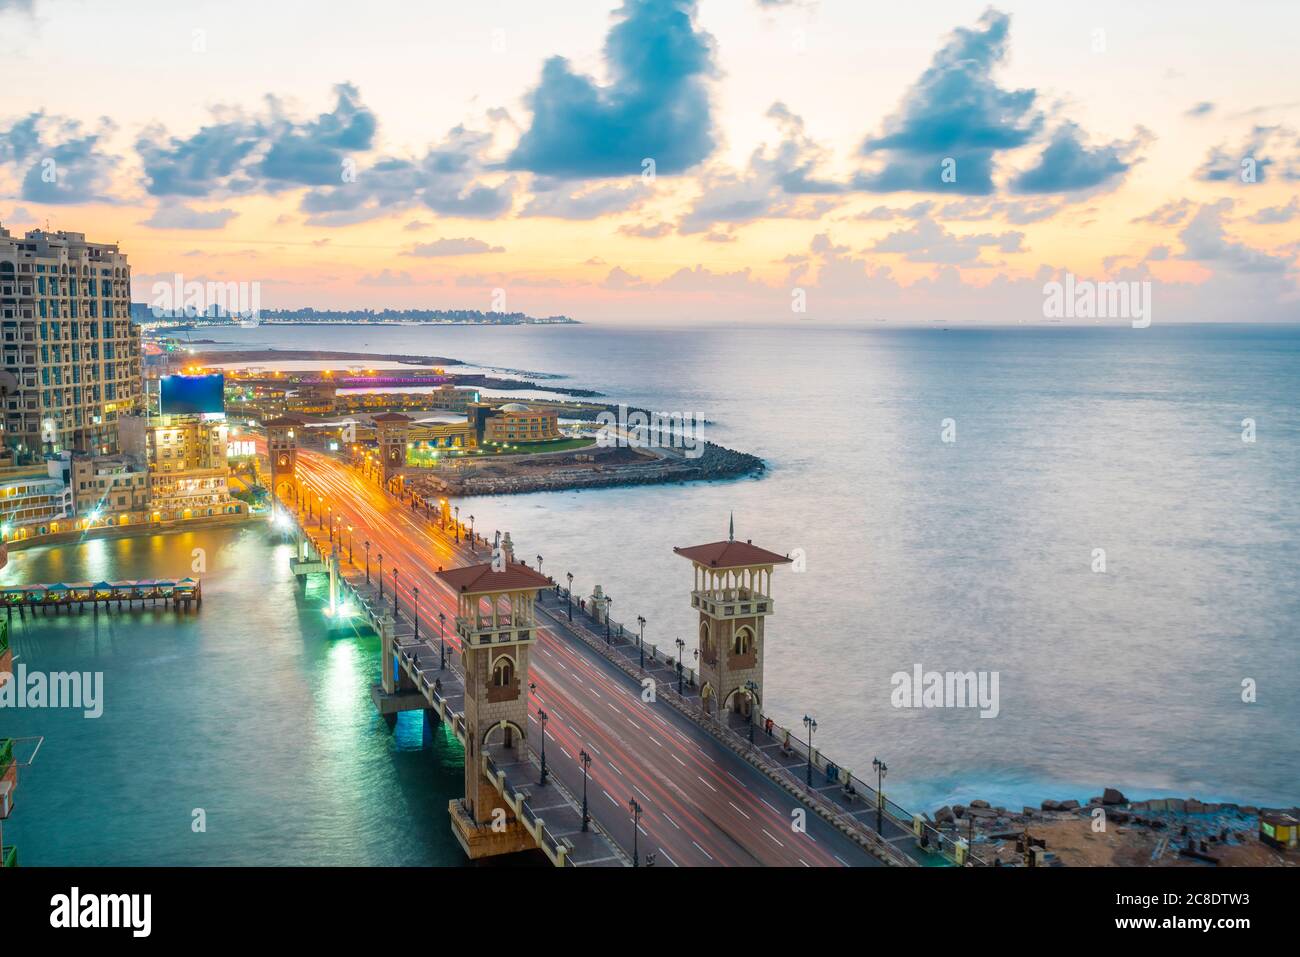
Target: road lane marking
(679, 760)
(769, 834)
(671, 821)
(702, 850)
(665, 854)
(742, 813)
(707, 784)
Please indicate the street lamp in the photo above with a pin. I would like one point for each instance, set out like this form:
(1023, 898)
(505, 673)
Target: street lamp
(320, 512)
(381, 574)
(331, 511)
(539, 564)
(881, 771)
(640, 620)
(542, 716)
(811, 725)
(395, 573)
(442, 641)
(457, 510)
(752, 687)
(585, 758)
(415, 592)
(570, 595)
(471, 531)
(681, 670)
(351, 561)
(367, 561)
(636, 827)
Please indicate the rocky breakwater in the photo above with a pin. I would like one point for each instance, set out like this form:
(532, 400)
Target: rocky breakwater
(592, 467)
(1111, 830)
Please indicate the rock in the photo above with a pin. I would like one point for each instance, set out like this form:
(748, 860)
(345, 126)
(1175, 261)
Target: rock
(979, 803)
(1070, 805)
(1177, 805)
(1051, 805)
(1249, 809)
(982, 813)
(1030, 812)
(959, 810)
(1194, 806)
(1119, 817)
(1113, 796)
(945, 814)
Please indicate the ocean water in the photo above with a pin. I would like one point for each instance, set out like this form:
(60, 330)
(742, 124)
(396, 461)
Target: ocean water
(250, 711)
(974, 555)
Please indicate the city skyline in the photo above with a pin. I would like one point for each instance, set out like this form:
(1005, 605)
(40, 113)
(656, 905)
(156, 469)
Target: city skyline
(800, 151)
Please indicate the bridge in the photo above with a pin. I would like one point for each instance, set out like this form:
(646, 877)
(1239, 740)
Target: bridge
(582, 740)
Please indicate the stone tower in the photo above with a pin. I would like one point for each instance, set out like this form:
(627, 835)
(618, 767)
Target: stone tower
(733, 583)
(496, 624)
(282, 446)
(391, 429)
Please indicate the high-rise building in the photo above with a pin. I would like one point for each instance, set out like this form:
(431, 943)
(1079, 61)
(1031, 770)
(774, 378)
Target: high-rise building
(71, 355)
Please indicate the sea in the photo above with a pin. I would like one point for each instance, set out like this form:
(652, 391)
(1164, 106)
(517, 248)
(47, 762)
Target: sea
(1102, 523)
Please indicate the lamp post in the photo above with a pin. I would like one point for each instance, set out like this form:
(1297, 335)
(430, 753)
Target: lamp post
(442, 514)
(471, 532)
(539, 564)
(542, 716)
(636, 826)
(681, 670)
(381, 574)
(320, 512)
(752, 687)
(331, 514)
(415, 592)
(640, 620)
(395, 573)
(608, 601)
(811, 725)
(367, 561)
(585, 758)
(570, 594)
(881, 771)
(351, 560)
(456, 508)
(442, 641)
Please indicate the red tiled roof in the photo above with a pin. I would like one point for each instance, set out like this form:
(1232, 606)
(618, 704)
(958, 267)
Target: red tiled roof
(731, 554)
(390, 417)
(481, 578)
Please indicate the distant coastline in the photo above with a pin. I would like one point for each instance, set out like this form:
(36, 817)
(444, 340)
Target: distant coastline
(216, 316)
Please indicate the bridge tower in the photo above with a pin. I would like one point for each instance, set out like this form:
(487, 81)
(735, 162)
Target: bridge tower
(282, 445)
(496, 623)
(733, 583)
(391, 430)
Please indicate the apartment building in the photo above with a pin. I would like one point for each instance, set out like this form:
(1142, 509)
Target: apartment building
(69, 353)
(35, 499)
(186, 456)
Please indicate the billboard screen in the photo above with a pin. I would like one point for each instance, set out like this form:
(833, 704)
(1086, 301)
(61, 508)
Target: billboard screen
(192, 394)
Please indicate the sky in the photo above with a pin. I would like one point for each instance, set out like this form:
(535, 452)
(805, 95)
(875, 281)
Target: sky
(670, 160)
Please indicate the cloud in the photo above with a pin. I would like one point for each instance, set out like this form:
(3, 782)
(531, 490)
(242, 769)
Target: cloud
(655, 105)
(1066, 165)
(173, 215)
(63, 163)
(954, 110)
(1015, 212)
(929, 242)
(772, 185)
(448, 179)
(1265, 147)
(1205, 240)
(265, 153)
(552, 200)
(386, 278)
(646, 230)
(1276, 215)
(1170, 214)
(1204, 108)
(467, 246)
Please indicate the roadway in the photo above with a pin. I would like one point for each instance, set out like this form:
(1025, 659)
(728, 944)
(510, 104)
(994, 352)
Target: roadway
(702, 804)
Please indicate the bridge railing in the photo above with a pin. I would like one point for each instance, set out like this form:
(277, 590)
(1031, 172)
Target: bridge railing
(828, 770)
